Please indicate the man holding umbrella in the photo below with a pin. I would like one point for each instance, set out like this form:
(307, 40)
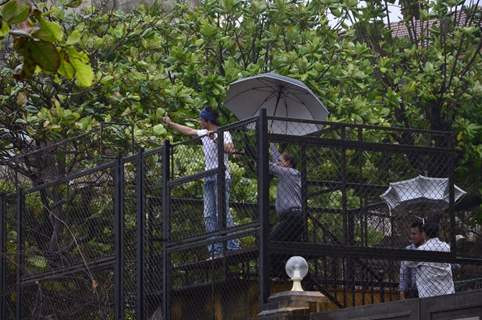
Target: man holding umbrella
(281, 97)
(209, 126)
(291, 222)
(290, 226)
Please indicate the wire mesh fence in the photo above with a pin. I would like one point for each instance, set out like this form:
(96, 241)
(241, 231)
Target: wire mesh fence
(198, 187)
(8, 257)
(212, 224)
(49, 162)
(351, 186)
(244, 172)
(360, 281)
(203, 287)
(65, 247)
(468, 230)
(153, 234)
(178, 232)
(358, 186)
(69, 296)
(130, 236)
(41, 163)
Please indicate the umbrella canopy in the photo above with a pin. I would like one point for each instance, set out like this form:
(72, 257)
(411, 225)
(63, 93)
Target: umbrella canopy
(420, 190)
(281, 97)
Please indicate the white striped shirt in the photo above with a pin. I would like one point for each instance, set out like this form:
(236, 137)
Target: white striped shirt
(434, 278)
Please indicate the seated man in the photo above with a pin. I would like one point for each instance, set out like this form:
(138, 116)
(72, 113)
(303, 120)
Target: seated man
(433, 278)
(290, 226)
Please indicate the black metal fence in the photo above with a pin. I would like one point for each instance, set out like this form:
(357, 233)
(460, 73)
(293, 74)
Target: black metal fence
(141, 237)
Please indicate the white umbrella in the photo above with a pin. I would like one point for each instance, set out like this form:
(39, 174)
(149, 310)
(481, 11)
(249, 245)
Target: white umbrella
(420, 190)
(281, 97)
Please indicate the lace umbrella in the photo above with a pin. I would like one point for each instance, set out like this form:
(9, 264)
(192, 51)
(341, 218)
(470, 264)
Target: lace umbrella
(420, 190)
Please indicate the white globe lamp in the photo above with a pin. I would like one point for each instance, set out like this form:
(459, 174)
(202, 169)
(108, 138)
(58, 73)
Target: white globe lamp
(296, 268)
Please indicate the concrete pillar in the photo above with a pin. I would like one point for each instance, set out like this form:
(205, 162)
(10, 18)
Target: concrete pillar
(293, 305)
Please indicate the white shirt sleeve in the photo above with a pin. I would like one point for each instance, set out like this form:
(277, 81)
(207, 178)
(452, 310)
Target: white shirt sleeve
(227, 137)
(201, 132)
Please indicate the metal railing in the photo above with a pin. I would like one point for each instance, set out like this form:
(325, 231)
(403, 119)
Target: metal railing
(176, 231)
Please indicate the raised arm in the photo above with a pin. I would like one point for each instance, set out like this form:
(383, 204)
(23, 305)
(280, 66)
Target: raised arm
(275, 155)
(279, 171)
(274, 167)
(179, 127)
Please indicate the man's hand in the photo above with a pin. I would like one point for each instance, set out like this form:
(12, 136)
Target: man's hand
(212, 135)
(228, 147)
(178, 127)
(166, 120)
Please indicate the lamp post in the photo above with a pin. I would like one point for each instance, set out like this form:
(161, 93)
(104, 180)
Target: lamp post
(296, 268)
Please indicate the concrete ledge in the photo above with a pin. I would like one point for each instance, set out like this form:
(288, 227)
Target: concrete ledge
(280, 310)
(292, 305)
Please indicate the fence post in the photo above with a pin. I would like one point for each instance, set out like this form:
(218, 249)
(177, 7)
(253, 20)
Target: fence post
(263, 207)
(348, 224)
(20, 254)
(3, 254)
(304, 193)
(166, 230)
(140, 218)
(451, 211)
(119, 238)
(221, 185)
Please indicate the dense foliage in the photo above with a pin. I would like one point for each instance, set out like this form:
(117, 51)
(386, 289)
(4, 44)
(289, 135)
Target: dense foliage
(149, 62)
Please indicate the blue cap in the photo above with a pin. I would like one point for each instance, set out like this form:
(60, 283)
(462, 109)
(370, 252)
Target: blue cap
(208, 115)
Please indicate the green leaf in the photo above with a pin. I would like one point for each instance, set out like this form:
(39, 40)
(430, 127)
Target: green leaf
(12, 235)
(66, 69)
(14, 12)
(74, 38)
(9, 10)
(73, 3)
(208, 30)
(84, 123)
(229, 5)
(49, 31)
(159, 129)
(38, 262)
(429, 68)
(84, 74)
(57, 12)
(45, 55)
(21, 99)
(31, 109)
(4, 29)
